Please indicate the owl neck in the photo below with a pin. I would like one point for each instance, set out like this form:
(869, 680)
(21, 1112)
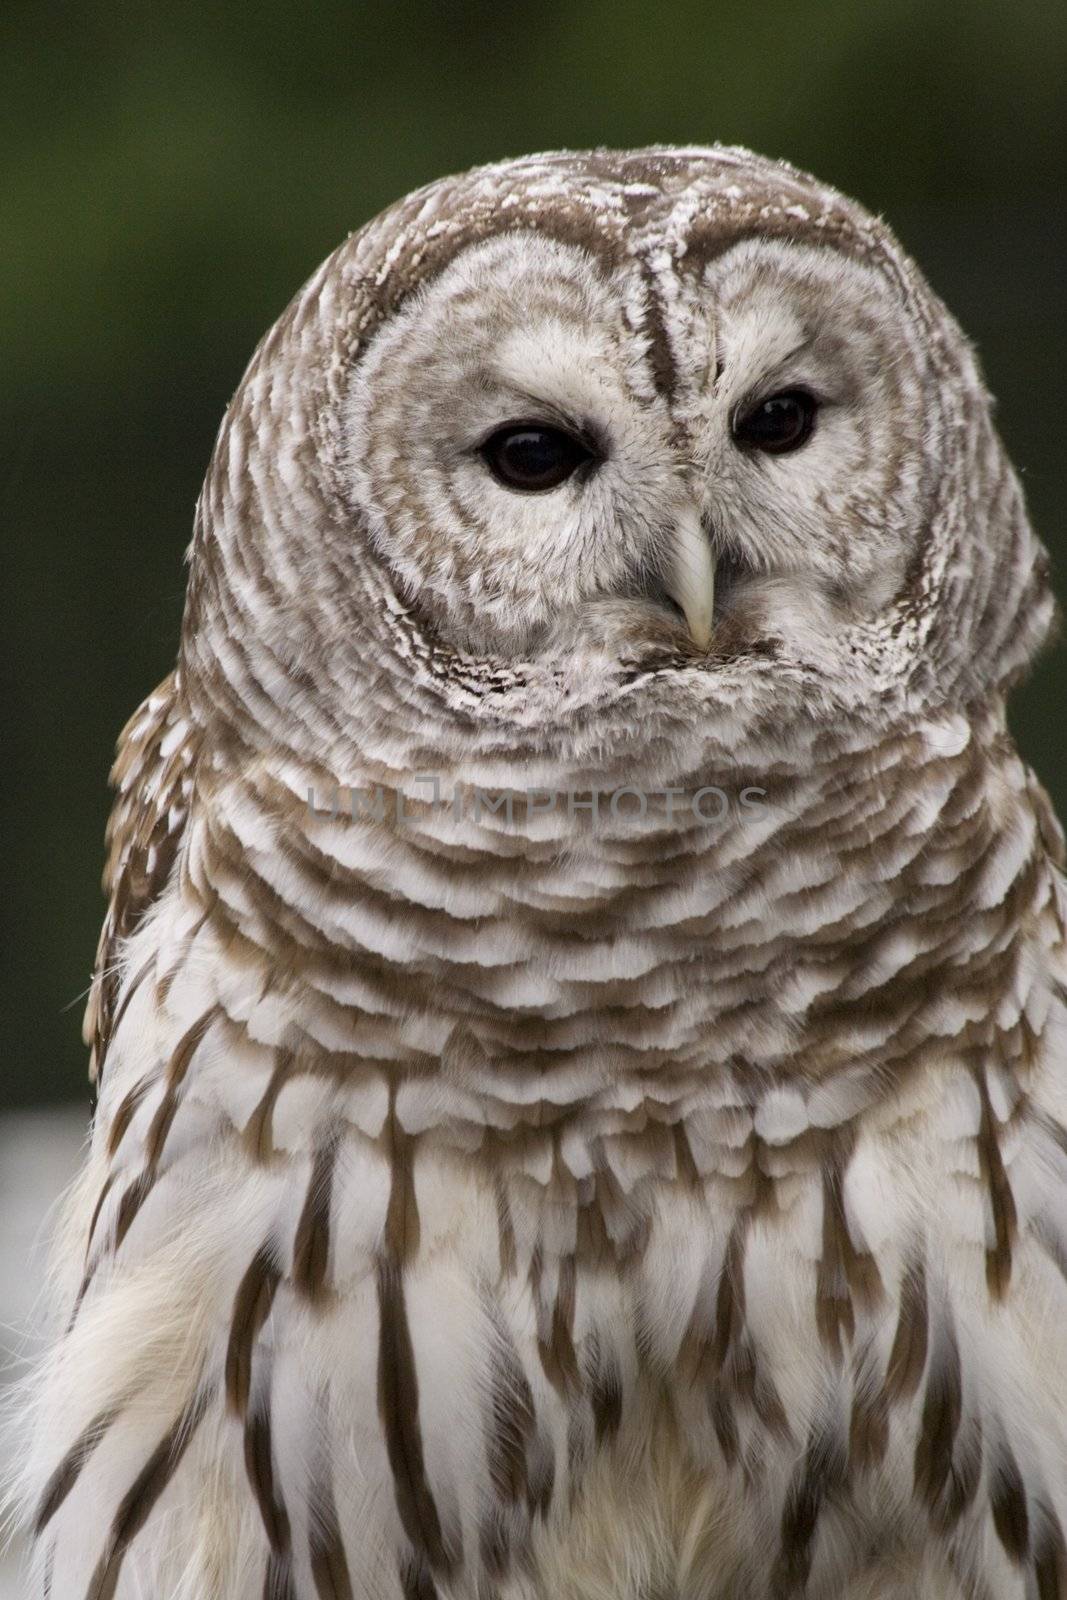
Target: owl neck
(792, 937)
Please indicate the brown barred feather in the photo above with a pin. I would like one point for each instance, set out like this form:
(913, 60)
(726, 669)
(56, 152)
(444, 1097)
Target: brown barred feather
(66, 1473)
(416, 1582)
(1001, 1199)
(868, 1434)
(311, 1246)
(698, 1361)
(98, 1206)
(402, 1229)
(398, 1409)
(960, 1487)
(259, 1465)
(512, 1419)
(254, 1298)
(907, 1358)
(329, 1565)
(133, 1198)
(153, 795)
(941, 1414)
(279, 1583)
(1050, 1558)
(847, 1276)
(259, 1130)
(144, 1492)
(138, 1190)
(176, 1069)
(124, 1115)
(724, 1421)
(555, 1342)
(819, 1476)
(505, 1231)
(494, 1544)
(730, 1298)
(1007, 1497)
(604, 1384)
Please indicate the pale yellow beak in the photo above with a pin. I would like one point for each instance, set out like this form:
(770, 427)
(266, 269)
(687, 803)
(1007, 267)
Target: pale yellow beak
(690, 576)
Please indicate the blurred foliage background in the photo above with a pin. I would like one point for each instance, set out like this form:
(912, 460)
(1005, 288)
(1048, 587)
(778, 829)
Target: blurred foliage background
(169, 176)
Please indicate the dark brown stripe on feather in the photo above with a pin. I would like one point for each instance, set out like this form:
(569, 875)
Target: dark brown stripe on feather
(251, 1307)
(605, 1391)
(868, 1433)
(326, 1550)
(398, 1409)
(818, 1478)
(278, 1584)
(311, 1246)
(660, 355)
(542, 1476)
(715, 1355)
(259, 1464)
(847, 1276)
(138, 1191)
(83, 1290)
(66, 1474)
(110, 1025)
(558, 1355)
(133, 1198)
(1050, 1556)
(505, 1231)
(144, 1493)
(105, 1190)
(907, 1359)
(751, 1382)
(512, 1419)
(946, 1478)
(963, 1479)
(730, 1296)
(1001, 1199)
(1007, 1497)
(124, 1115)
(415, 1580)
(177, 1067)
(259, 1130)
(721, 1413)
(494, 1544)
(402, 1215)
(942, 1409)
(696, 1353)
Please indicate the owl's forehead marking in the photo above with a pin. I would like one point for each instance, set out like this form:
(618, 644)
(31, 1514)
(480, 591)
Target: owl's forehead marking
(678, 207)
(657, 218)
(661, 357)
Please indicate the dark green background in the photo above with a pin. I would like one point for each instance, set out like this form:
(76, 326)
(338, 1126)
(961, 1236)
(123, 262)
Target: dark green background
(168, 180)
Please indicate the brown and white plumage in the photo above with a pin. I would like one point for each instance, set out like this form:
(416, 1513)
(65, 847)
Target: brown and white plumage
(528, 1202)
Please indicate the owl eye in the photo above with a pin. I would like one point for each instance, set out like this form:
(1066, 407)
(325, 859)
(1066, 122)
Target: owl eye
(531, 457)
(781, 423)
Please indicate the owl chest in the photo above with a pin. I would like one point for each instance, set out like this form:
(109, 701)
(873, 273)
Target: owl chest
(580, 1307)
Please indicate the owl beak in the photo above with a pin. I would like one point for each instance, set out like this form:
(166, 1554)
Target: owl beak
(690, 578)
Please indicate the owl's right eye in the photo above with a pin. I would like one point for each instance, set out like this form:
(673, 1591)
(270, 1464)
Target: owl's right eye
(779, 424)
(532, 457)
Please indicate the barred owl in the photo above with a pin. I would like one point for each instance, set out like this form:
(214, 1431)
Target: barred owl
(620, 1149)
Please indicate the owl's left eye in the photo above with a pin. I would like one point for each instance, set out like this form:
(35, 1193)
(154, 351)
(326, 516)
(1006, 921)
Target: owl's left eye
(531, 457)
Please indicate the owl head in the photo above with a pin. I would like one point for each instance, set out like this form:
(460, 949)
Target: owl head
(680, 424)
